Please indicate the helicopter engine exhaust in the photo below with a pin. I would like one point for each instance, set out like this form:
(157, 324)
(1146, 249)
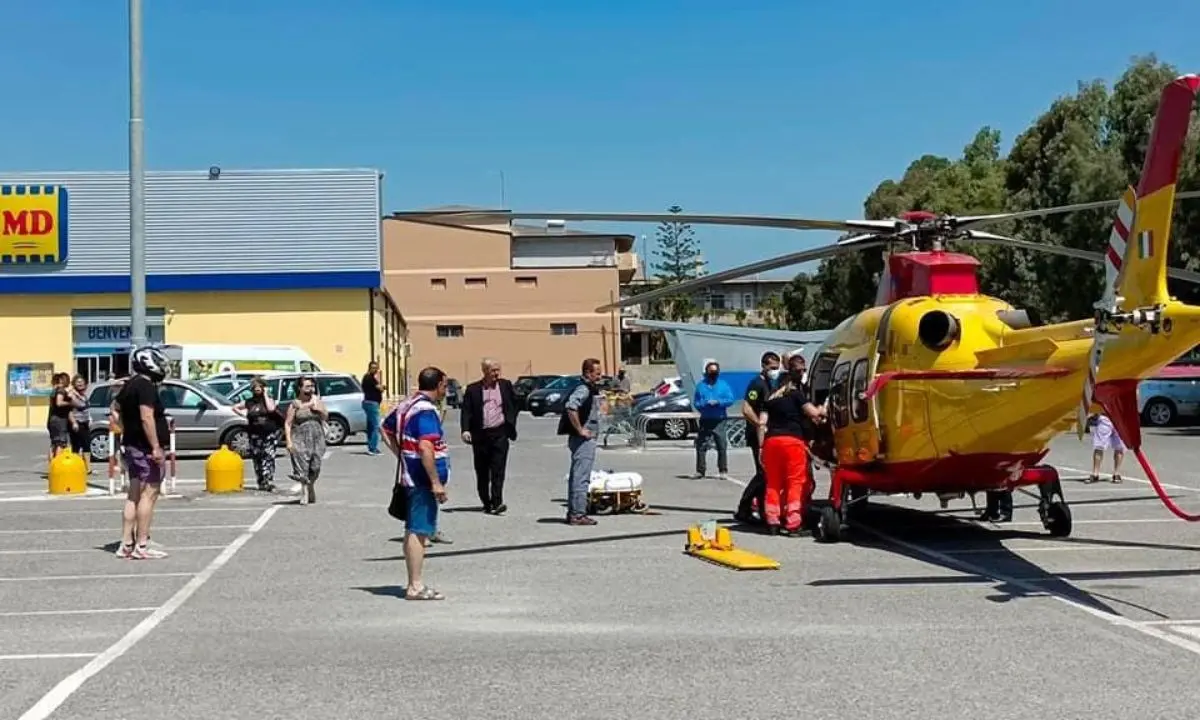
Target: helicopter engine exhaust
(938, 329)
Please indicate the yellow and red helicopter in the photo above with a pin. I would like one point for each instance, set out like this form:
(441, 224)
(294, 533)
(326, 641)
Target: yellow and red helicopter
(941, 389)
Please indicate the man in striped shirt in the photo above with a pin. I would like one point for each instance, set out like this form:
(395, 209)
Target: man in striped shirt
(413, 431)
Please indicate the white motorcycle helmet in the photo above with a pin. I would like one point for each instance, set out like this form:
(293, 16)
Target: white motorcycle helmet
(151, 362)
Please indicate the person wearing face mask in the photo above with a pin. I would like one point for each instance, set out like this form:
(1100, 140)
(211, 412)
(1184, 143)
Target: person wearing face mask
(712, 399)
(788, 418)
(752, 406)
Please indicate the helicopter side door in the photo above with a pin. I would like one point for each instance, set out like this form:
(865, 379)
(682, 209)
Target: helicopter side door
(854, 433)
(819, 384)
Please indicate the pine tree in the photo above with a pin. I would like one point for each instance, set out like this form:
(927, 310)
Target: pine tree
(677, 259)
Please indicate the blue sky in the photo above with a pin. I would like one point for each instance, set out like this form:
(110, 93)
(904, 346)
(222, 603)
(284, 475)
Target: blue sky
(617, 105)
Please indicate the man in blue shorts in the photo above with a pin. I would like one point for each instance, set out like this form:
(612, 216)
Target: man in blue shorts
(413, 431)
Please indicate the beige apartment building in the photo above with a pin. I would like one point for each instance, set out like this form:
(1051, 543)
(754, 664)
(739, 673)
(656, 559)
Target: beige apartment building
(524, 294)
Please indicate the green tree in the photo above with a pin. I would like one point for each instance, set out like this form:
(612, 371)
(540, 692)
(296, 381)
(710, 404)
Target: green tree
(1086, 146)
(678, 259)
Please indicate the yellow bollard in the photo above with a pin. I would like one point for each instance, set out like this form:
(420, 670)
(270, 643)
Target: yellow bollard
(223, 472)
(68, 474)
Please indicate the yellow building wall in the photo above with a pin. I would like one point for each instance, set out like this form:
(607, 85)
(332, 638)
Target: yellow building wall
(333, 326)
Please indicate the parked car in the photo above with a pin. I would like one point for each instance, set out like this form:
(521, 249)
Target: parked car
(526, 384)
(453, 394)
(224, 384)
(668, 428)
(552, 397)
(342, 394)
(203, 420)
(1164, 400)
(665, 387)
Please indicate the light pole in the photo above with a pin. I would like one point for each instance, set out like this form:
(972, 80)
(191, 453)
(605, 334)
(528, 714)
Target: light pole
(137, 187)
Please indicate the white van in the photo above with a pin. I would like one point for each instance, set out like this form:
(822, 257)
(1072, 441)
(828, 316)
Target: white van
(196, 362)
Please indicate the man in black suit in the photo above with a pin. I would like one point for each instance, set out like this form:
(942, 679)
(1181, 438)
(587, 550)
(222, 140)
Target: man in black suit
(489, 423)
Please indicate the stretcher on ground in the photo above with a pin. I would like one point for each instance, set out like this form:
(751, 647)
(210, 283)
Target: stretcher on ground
(615, 492)
(714, 544)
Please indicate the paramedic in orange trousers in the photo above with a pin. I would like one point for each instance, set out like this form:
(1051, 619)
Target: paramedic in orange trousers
(752, 407)
(788, 419)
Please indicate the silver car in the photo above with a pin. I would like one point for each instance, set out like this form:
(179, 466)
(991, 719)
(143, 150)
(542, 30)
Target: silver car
(204, 421)
(341, 392)
(224, 384)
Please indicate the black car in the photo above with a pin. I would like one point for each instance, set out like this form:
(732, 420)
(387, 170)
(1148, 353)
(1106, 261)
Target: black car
(453, 393)
(526, 384)
(553, 397)
(668, 428)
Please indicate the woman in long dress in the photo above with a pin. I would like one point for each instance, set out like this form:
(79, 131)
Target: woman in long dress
(304, 430)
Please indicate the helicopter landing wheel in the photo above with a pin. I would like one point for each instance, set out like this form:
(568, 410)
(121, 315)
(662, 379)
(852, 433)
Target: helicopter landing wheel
(1052, 508)
(829, 525)
(1056, 518)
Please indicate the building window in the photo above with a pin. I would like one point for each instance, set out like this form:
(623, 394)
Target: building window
(564, 329)
(437, 283)
(716, 302)
(527, 281)
(477, 283)
(449, 331)
(747, 301)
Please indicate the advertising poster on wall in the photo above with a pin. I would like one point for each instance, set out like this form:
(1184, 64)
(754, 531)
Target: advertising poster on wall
(27, 380)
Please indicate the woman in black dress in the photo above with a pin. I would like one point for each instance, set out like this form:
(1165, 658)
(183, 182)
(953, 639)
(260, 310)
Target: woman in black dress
(262, 416)
(786, 423)
(58, 421)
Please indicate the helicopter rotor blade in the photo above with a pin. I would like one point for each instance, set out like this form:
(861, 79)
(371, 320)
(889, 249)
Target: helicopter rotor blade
(987, 238)
(974, 220)
(785, 223)
(848, 244)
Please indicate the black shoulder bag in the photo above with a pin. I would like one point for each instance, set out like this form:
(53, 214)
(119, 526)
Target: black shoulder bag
(398, 508)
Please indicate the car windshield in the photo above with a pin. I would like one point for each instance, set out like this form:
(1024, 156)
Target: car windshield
(562, 383)
(206, 391)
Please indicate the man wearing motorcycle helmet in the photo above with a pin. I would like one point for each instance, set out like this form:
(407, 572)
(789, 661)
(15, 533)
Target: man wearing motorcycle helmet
(144, 426)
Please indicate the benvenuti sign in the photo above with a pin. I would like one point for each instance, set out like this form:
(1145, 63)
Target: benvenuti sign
(33, 224)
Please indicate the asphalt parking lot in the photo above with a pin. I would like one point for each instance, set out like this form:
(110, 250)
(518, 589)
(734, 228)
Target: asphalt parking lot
(269, 609)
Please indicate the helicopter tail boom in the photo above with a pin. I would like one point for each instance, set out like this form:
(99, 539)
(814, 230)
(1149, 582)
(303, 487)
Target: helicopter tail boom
(1142, 280)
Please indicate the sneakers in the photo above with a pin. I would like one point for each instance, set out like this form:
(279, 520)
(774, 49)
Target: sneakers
(141, 552)
(145, 552)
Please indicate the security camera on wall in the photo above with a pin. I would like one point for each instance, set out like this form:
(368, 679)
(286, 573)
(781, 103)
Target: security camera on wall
(214, 172)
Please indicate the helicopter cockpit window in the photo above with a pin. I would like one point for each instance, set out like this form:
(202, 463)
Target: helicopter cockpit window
(858, 388)
(839, 412)
(818, 382)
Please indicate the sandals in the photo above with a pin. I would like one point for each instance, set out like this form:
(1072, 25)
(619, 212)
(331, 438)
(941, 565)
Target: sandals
(425, 593)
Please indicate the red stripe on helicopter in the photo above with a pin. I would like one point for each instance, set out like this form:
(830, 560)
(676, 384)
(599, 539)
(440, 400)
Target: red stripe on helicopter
(1166, 139)
(974, 374)
(1113, 257)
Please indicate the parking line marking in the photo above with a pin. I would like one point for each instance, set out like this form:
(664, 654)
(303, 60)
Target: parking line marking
(1062, 548)
(63, 690)
(119, 576)
(1030, 586)
(94, 611)
(157, 510)
(1169, 622)
(69, 551)
(1168, 486)
(48, 656)
(157, 528)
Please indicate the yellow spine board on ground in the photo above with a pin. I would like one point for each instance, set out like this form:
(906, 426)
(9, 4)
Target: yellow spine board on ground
(720, 550)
